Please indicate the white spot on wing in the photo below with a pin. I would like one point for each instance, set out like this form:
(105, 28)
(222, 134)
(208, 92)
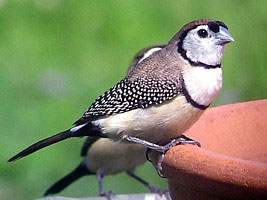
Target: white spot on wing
(149, 53)
(74, 129)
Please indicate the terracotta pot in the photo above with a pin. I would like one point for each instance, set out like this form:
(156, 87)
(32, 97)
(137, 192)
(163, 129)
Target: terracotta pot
(232, 160)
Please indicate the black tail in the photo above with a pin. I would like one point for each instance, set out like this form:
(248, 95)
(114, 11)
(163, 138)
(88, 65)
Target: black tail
(80, 132)
(77, 173)
(41, 144)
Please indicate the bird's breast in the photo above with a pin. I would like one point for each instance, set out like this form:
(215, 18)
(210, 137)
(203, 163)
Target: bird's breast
(156, 124)
(203, 85)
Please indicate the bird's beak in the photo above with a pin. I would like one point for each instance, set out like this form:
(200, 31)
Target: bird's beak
(223, 37)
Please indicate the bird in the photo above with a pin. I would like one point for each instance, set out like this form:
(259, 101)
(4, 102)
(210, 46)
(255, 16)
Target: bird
(162, 97)
(103, 156)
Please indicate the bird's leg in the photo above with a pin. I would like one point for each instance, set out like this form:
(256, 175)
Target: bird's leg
(100, 178)
(162, 149)
(149, 145)
(151, 187)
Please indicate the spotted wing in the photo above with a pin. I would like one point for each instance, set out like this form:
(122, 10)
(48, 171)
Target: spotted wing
(128, 95)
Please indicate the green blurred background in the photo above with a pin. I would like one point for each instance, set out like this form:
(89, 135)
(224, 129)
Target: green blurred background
(57, 56)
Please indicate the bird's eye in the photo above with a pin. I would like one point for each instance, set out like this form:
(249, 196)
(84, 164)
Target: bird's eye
(202, 33)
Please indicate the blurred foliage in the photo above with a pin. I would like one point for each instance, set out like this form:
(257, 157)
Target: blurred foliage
(57, 56)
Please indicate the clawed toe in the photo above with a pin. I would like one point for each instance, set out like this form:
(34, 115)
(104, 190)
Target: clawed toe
(161, 192)
(159, 165)
(178, 141)
(187, 140)
(108, 195)
(165, 193)
(161, 149)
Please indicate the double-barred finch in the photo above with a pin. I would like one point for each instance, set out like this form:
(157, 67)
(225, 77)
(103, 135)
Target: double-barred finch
(162, 97)
(102, 156)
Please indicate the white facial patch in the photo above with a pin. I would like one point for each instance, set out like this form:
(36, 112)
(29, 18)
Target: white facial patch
(149, 53)
(203, 50)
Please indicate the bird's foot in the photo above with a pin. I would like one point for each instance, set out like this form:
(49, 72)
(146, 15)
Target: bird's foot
(108, 195)
(151, 187)
(165, 193)
(156, 190)
(163, 149)
(180, 140)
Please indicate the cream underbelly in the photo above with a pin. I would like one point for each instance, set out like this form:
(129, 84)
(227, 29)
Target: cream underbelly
(109, 157)
(155, 124)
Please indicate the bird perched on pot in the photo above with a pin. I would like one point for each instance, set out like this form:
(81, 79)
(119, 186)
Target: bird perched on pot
(102, 156)
(162, 97)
